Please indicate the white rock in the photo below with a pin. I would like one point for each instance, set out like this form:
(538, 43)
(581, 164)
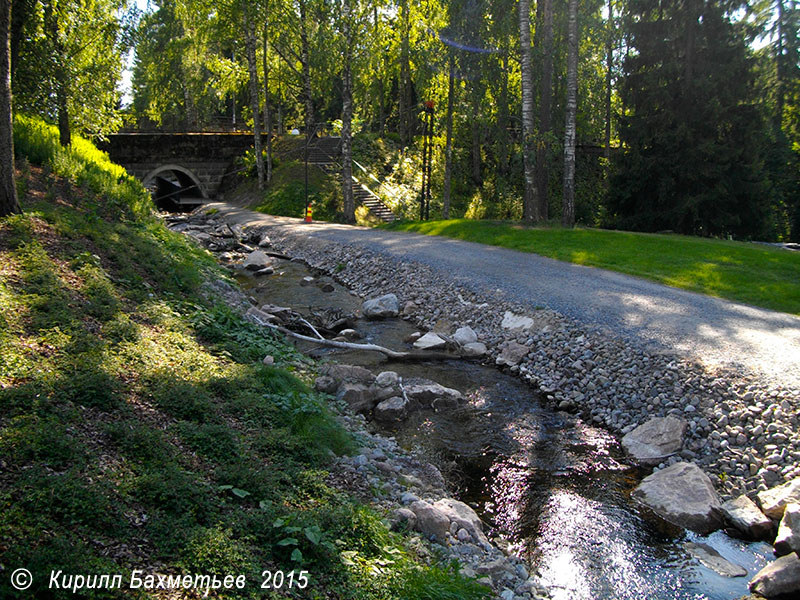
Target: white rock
(512, 354)
(387, 379)
(781, 577)
(431, 521)
(465, 335)
(788, 538)
(430, 341)
(655, 440)
(515, 322)
(393, 410)
(775, 500)
(683, 495)
(430, 394)
(474, 349)
(256, 261)
(378, 308)
(463, 516)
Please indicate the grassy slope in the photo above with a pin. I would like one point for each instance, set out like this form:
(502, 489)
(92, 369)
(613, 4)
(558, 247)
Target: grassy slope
(139, 428)
(750, 273)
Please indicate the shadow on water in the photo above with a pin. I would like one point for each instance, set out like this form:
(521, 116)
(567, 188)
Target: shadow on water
(557, 488)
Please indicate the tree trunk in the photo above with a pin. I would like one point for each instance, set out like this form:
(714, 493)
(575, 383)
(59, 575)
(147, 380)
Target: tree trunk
(347, 116)
(530, 208)
(448, 161)
(568, 201)
(545, 111)
(305, 60)
(250, 46)
(609, 67)
(61, 77)
(692, 14)
(779, 68)
(503, 121)
(9, 203)
(477, 92)
(404, 106)
(267, 108)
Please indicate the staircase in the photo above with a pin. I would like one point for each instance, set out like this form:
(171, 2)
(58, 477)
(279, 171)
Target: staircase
(325, 153)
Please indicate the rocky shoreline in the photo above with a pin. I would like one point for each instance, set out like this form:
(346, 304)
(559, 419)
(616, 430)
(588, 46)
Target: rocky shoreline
(741, 430)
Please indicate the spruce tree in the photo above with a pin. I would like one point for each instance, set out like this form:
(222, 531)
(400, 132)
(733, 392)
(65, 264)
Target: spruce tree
(693, 138)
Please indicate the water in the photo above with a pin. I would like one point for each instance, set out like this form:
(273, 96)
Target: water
(557, 488)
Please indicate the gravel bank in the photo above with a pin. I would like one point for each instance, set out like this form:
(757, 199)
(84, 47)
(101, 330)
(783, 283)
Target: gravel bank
(741, 428)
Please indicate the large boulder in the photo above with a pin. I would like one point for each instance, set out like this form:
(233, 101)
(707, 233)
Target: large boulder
(431, 521)
(349, 374)
(683, 495)
(474, 349)
(433, 395)
(512, 354)
(779, 578)
(788, 538)
(775, 500)
(463, 516)
(465, 335)
(382, 307)
(360, 398)
(743, 514)
(393, 410)
(256, 261)
(655, 440)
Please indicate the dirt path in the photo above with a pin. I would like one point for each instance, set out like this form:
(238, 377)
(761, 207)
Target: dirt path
(713, 331)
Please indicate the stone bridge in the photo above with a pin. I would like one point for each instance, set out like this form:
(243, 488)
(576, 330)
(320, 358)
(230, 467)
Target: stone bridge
(179, 168)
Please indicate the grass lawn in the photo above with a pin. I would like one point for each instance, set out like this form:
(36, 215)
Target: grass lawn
(744, 272)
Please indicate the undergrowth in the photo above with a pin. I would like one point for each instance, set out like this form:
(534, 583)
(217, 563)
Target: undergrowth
(139, 428)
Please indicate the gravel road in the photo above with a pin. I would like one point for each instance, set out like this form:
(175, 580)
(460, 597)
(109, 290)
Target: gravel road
(715, 332)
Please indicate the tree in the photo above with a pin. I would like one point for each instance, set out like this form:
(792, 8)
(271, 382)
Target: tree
(448, 167)
(544, 33)
(693, 136)
(8, 190)
(347, 112)
(530, 205)
(568, 200)
(252, 67)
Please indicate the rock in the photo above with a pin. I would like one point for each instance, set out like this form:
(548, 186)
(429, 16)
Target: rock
(326, 384)
(306, 281)
(268, 360)
(349, 373)
(773, 501)
(430, 394)
(264, 271)
(714, 560)
(403, 518)
(683, 495)
(463, 516)
(788, 538)
(465, 335)
(256, 261)
(387, 379)
(778, 578)
(655, 440)
(746, 517)
(512, 354)
(474, 349)
(409, 308)
(359, 397)
(515, 322)
(379, 308)
(431, 521)
(430, 341)
(350, 335)
(393, 410)
(264, 242)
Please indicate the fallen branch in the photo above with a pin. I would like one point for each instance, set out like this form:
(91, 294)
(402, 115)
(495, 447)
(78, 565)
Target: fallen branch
(393, 354)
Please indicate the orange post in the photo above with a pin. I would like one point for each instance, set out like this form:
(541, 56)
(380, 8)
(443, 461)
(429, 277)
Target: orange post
(308, 215)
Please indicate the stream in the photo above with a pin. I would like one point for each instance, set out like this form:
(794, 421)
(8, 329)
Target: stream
(557, 488)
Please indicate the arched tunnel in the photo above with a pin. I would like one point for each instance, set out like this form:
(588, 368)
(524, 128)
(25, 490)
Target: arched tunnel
(175, 188)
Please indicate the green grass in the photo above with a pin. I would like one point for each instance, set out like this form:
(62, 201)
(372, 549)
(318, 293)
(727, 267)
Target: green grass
(744, 272)
(139, 428)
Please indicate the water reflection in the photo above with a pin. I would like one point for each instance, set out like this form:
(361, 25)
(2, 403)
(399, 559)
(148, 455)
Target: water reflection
(558, 488)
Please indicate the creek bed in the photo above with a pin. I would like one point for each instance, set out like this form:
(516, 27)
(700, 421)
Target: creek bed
(557, 488)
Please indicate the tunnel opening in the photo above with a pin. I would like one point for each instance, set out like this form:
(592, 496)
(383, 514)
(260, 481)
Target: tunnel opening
(175, 189)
